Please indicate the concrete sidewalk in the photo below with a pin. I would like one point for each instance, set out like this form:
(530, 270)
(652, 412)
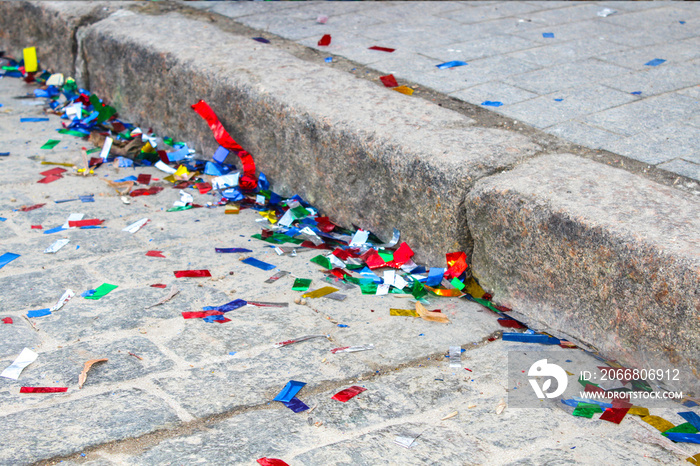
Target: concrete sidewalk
(581, 214)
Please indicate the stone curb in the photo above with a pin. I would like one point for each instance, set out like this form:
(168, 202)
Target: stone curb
(380, 160)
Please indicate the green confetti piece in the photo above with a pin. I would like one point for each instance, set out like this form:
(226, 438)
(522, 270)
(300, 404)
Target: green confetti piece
(51, 143)
(179, 208)
(168, 141)
(486, 303)
(278, 238)
(386, 256)
(585, 382)
(587, 410)
(301, 284)
(93, 150)
(354, 267)
(104, 112)
(102, 291)
(300, 212)
(368, 288)
(72, 132)
(418, 290)
(685, 428)
(457, 284)
(322, 261)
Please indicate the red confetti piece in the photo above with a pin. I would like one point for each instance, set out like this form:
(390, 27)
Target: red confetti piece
(155, 254)
(271, 462)
(94, 161)
(143, 178)
(7, 320)
(510, 323)
(615, 415)
(402, 255)
(37, 227)
(345, 395)
(53, 171)
(324, 224)
(200, 314)
(226, 319)
(341, 254)
(49, 179)
(373, 260)
(31, 207)
(204, 188)
(311, 245)
(85, 223)
(146, 192)
(248, 180)
(389, 80)
(159, 285)
(457, 261)
(325, 40)
(381, 49)
(338, 273)
(43, 389)
(192, 273)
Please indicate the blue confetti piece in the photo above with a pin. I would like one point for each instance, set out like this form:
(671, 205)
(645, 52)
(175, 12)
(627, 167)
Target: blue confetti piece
(450, 64)
(89, 198)
(128, 178)
(2, 219)
(220, 154)
(328, 59)
(262, 40)
(87, 293)
(231, 353)
(682, 22)
(32, 119)
(548, 35)
(636, 93)
(258, 263)
(530, 338)
(655, 62)
(435, 276)
(4, 154)
(492, 103)
(179, 154)
(39, 313)
(235, 304)
(691, 417)
(296, 405)
(681, 437)
(54, 230)
(64, 200)
(689, 404)
(231, 250)
(214, 169)
(7, 258)
(558, 100)
(211, 319)
(342, 325)
(289, 391)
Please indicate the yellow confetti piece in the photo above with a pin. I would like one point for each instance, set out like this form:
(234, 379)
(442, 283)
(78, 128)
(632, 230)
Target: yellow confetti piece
(638, 411)
(444, 293)
(30, 62)
(568, 373)
(170, 178)
(473, 288)
(62, 164)
(232, 209)
(148, 148)
(660, 423)
(694, 460)
(320, 292)
(182, 173)
(403, 312)
(270, 215)
(403, 89)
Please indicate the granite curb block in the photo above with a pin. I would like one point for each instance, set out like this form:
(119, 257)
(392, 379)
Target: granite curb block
(599, 253)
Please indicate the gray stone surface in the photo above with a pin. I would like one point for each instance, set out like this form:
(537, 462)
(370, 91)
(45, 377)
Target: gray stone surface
(589, 273)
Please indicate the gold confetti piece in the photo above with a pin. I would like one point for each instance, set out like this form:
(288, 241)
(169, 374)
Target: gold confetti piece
(694, 459)
(86, 368)
(403, 312)
(568, 373)
(431, 316)
(638, 411)
(320, 292)
(660, 423)
(473, 288)
(62, 164)
(501, 406)
(450, 416)
(232, 209)
(270, 215)
(403, 89)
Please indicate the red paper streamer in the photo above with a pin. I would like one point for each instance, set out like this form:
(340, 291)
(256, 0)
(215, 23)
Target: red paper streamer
(7, 320)
(146, 192)
(192, 273)
(159, 285)
(615, 415)
(389, 80)
(31, 207)
(37, 227)
(50, 179)
(271, 462)
(247, 180)
(91, 222)
(155, 254)
(381, 49)
(43, 389)
(143, 178)
(200, 314)
(345, 395)
(325, 40)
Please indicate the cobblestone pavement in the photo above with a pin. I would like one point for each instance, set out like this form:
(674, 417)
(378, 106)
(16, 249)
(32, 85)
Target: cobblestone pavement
(177, 391)
(558, 66)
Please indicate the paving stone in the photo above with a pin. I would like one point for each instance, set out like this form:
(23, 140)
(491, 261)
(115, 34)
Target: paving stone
(683, 167)
(482, 12)
(657, 80)
(237, 9)
(484, 47)
(16, 336)
(660, 145)
(43, 433)
(34, 289)
(565, 76)
(583, 134)
(658, 111)
(564, 52)
(572, 31)
(674, 53)
(552, 13)
(493, 91)
(545, 111)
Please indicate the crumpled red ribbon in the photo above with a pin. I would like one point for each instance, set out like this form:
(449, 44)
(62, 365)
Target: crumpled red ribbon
(247, 181)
